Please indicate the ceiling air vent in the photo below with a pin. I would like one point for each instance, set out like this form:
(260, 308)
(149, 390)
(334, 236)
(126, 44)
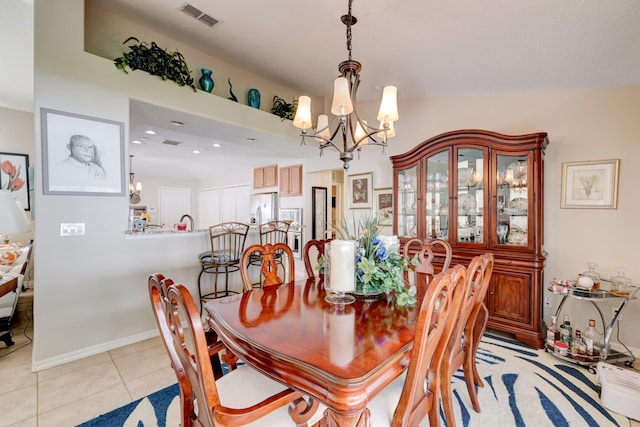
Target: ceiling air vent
(196, 13)
(170, 142)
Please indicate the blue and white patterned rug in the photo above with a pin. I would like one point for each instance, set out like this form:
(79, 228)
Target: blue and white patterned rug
(523, 387)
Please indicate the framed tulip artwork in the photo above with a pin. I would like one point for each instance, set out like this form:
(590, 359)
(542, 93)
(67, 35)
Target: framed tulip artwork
(15, 176)
(361, 191)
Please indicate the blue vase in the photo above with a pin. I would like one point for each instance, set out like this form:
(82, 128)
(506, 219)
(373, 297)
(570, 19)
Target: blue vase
(206, 82)
(253, 98)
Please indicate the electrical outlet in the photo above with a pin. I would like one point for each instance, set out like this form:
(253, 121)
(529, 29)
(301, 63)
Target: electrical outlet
(614, 310)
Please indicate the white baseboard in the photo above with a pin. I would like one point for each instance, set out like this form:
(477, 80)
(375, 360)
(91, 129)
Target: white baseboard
(39, 365)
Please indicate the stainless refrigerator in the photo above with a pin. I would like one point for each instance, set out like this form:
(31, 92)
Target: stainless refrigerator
(264, 207)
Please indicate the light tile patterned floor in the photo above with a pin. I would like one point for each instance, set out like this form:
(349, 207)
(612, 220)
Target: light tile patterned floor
(69, 394)
(75, 392)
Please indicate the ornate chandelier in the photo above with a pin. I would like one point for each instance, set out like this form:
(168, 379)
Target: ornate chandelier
(347, 125)
(134, 191)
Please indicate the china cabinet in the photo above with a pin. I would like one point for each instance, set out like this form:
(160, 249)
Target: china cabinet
(482, 191)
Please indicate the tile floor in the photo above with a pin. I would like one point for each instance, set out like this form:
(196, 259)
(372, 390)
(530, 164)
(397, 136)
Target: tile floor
(75, 392)
(66, 395)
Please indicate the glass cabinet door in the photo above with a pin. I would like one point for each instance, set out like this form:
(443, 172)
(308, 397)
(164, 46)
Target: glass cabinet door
(437, 200)
(512, 200)
(407, 202)
(470, 195)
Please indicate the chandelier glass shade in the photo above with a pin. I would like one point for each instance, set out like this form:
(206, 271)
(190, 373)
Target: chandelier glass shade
(347, 131)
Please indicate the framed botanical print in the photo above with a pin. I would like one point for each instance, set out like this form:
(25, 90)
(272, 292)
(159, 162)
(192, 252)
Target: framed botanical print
(82, 155)
(361, 191)
(591, 184)
(383, 204)
(14, 176)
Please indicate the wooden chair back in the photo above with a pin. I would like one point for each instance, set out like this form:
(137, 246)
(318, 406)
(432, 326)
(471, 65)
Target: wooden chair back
(270, 256)
(185, 340)
(460, 349)
(425, 270)
(311, 245)
(420, 395)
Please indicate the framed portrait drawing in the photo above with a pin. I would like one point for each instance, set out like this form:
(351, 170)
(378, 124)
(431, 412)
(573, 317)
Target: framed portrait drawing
(14, 176)
(82, 155)
(383, 204)
(361, 191)
(319, 212)
(592, 184)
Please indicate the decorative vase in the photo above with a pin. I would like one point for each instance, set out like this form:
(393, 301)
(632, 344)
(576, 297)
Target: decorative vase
(206, 82)
(253, 98)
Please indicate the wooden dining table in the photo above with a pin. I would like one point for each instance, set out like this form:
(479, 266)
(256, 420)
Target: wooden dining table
(341, 355)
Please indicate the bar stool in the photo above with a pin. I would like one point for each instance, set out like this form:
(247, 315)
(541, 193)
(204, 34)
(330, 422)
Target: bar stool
(227, 245)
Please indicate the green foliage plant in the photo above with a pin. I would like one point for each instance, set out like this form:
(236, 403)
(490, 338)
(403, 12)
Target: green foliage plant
(155, 61)
(283, 109)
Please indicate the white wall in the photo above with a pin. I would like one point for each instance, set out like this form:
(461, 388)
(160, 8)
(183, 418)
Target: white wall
(91, 291)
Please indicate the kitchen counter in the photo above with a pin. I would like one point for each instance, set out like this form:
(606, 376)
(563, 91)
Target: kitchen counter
(162, 232)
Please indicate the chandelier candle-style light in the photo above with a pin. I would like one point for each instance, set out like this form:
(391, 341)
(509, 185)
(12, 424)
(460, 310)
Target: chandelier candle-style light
(347, 124)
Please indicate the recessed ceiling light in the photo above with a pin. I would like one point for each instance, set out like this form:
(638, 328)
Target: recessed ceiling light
(216, 145)
(177, 123)
(135, 141)
(196, 152)
(251, 139)
(150, 132)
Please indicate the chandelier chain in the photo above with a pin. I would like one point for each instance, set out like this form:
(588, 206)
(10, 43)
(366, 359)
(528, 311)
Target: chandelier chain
(348, 23)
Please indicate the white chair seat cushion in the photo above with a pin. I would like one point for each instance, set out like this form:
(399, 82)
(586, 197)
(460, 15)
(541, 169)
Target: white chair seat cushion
(382, 407)
(9, 301)
(245, 386)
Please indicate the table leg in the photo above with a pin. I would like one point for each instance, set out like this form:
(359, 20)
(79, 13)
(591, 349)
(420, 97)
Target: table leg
(335, 419)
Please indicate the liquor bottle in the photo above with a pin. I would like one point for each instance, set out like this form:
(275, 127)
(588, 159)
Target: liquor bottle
(582, 349)
(566, 331)
(592, 339)
(593, 274)
(551, 333)
(575, 340)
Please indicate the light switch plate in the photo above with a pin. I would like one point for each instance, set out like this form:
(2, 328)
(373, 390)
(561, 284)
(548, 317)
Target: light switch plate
(72, 229)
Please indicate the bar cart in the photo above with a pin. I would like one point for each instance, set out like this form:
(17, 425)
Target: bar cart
(595, 297)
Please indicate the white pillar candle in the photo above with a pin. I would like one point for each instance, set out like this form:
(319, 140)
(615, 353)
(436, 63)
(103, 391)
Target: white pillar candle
(342, 268)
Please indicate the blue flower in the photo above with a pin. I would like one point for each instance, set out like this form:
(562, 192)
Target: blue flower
(382, 253)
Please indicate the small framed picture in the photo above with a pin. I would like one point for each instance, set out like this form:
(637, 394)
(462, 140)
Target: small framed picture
(361, 191)
(15, 177)
(383, 204)
(82, 155)
(591, 184)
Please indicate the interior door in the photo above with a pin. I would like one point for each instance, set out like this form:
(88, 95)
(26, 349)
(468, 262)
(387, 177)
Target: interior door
(173, 203)
(208, 208)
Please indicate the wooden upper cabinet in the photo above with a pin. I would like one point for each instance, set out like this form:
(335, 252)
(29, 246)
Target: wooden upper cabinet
(291, 180)
(266, 176)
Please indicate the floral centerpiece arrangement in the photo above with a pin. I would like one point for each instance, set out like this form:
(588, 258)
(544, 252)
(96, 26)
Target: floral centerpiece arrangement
(379, 265)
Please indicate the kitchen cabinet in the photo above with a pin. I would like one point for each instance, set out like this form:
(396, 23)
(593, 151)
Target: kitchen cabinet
(482, 191)
(266, 176)
(291, 181)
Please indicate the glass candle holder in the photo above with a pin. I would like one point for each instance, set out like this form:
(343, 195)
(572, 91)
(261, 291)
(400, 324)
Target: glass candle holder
(340, 271)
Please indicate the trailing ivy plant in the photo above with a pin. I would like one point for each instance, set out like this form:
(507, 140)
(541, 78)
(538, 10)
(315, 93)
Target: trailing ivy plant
(283, 109)
(155, 61)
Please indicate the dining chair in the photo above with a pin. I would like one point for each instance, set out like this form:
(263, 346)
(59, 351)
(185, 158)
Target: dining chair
(271, 232)
(249, 397)
(270, 257)
(416, 393)
(468, 329)
(227, 244)
(425, 269)
(318, 245)
(217, 351)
